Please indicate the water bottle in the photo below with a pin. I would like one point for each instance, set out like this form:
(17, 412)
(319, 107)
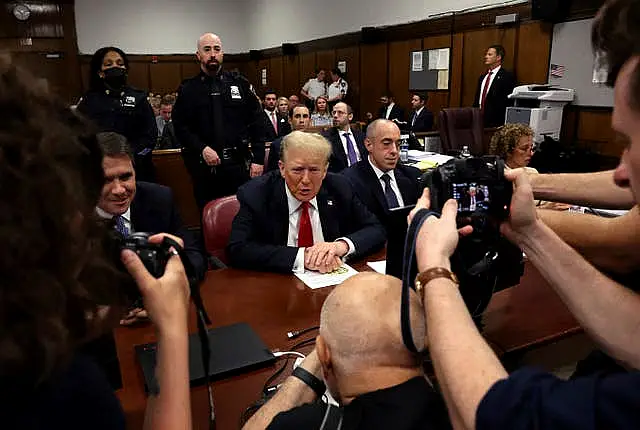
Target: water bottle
(465, 152)
(404, 150)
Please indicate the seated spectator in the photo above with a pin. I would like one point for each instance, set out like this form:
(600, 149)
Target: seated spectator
(337, 90)
(379, 180)
(421, 118)
(390, 110)
(321, 116)
(514, 144)
(166, 107)
(140, 206)
(58, 287)
(275, 124)
(293, 101)
(301, 217)
(347, 144)
(360, 354)
(314, 88)
(299, 119)
(283, 106)
(168, 138)
(155, 105)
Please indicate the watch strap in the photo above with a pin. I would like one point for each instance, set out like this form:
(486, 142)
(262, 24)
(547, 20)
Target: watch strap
(310, 379)
(429, 275)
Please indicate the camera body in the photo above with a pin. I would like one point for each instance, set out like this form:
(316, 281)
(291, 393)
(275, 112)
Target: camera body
(484, 261)
(480, 188)
(153, 256)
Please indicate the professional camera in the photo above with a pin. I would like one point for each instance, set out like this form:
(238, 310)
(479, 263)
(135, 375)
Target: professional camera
(153, 256)
(484, 261)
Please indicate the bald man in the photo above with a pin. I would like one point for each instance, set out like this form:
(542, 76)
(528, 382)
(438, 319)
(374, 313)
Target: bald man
(364, 363)
(216, 117)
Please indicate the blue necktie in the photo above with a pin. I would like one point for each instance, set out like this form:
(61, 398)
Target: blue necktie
(351, 152)
(121, 227)
(392, 199)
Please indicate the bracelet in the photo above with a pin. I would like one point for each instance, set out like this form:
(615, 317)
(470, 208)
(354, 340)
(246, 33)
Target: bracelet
(310, 379)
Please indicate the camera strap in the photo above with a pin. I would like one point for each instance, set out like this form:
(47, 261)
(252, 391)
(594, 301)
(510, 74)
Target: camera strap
(202, 320)
(409, 273)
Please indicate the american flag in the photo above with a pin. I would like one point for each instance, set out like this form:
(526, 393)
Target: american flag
(557, 71)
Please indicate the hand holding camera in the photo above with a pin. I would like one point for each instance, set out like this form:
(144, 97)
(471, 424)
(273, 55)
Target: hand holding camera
(166, 298)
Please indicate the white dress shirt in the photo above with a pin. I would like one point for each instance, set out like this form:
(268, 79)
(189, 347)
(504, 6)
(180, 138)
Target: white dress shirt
(389, 108)
(393, 183)
(343, 139)
(125, 216)
(494, 72)
(337, 88)
(273, 118)
(416, 115)
(315, 88)
(316, 228)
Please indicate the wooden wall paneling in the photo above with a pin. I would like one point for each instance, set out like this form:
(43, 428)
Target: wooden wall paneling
(456, 71)
(291, 75)
(252, 73)
(399, 62)
(594, 131)
(164, 77)
(307, 67)
(189, 68)
(262, 64)
(475, 45)
(326, 59)
(533, 52)
(351, 56)
(139, 75)
(435, 42)
(276, 76)
(45, 21)
(52, 70)
(373, 76)
(73, 78)
(438, 100)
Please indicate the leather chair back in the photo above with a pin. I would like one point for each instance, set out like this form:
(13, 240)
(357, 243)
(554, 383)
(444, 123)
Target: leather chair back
(216, 225)
(459, 127)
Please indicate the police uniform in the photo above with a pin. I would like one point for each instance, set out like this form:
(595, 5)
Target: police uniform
(223, 113)
(128, 113)
(337, 88)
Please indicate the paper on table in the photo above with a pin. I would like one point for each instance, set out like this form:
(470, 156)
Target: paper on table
(316, 280)
(378, 266)
(443, 59)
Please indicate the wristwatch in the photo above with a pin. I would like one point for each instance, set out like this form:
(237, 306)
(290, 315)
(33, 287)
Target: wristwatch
(429, 275)
(310, 379)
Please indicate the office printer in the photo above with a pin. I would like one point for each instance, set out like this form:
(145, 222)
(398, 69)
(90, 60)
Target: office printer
(540, 107)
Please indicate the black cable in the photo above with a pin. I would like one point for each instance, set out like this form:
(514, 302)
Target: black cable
(298, 333)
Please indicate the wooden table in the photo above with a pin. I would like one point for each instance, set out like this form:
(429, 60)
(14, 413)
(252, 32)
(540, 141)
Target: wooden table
(518, 318)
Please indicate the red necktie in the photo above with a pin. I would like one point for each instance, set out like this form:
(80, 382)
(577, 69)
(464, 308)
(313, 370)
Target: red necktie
(485, 90)
(274, 121)
(305, 233)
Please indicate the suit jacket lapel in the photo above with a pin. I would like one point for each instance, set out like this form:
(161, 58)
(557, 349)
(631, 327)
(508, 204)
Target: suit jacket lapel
(137, 212)
(376, 187)
(328, 218)
(338, 149)
(407, 190)
(280, 212)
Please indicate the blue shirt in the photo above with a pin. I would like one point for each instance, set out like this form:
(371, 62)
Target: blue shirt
(532, 399)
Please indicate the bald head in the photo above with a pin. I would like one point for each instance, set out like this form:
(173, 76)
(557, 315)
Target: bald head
(360, 322)
(210, 53)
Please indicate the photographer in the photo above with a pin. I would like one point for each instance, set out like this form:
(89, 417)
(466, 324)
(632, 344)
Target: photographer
(57, 284)
(478, 391)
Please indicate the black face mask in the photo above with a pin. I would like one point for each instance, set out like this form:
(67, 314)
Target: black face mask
(115, 77)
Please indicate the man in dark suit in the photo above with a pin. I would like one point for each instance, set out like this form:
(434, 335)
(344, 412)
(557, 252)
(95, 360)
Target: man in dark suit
(299, 118)
(421, 118)
(301, 217)
(379, 180)
(275, 124)
(347, 145)
(494, 87)
(390, 110)
(140, 206)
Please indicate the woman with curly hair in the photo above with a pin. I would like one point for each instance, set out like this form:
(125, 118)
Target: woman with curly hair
(58, 289)
(514, 144)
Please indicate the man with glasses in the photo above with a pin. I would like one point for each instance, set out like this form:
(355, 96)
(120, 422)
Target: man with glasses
(301, 217)
(347, 144)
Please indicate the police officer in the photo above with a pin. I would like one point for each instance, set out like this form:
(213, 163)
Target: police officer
(337, 91)
(215, 118)
(115, 106)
